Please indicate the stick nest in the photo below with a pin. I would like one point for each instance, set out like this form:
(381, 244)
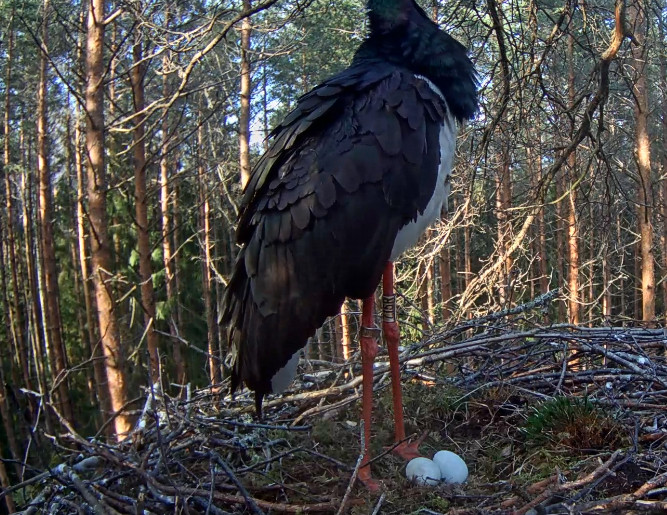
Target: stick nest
(557, 419)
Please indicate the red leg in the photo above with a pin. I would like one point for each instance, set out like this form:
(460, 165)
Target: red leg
(391, 332)
(369, 349)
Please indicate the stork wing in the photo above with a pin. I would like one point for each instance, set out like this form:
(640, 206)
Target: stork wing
(353, 163)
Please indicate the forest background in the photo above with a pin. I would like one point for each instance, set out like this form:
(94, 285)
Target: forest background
(129, 127)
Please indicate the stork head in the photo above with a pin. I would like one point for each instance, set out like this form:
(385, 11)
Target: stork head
(387, 15)
(403, 34)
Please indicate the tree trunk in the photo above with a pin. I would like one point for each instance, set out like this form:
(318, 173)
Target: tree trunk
(205, 213)
(97, 201)
(244, 114)
(606, 292)
(446, 279)
(16, 314)
(503, 205)
(57, 355)
(346, 333)
(621, 268)
(141, 210)
(71, 148)
(643, 152)
(32, 291)
(5, 410)
(503, 173)
(94, 342)
(560, 244)
(167, 253)
(572, 222)
(663, 182)
(4, 482)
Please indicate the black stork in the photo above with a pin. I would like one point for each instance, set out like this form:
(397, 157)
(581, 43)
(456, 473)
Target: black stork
(353, 176)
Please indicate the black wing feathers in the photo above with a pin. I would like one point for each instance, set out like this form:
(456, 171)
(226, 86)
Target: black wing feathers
(354, 162)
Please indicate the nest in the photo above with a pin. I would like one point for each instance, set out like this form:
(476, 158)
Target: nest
(557, 419)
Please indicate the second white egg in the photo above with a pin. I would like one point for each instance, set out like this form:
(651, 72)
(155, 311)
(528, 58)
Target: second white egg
(452, 467)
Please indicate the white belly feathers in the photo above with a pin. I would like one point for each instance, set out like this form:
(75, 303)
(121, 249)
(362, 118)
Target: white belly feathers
(409, 234)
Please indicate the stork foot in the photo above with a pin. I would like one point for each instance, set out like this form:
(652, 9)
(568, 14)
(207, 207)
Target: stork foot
(367, 480)
(409, 450)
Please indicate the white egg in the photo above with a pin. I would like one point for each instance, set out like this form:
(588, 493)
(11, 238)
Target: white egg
(423, 471)
(452, 468)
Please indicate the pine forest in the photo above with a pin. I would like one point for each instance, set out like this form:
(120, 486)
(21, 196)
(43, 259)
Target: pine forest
(532, 314)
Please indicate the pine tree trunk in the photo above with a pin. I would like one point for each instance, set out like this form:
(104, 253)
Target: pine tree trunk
(32, 270)
(572, 222)
(99, 370)
(643, 152)
(621, 269)
(663, 183)
(16, 315)
(211, 325)
(244, 113)
(71, 148)
(606, 295)
(573, 255)
(503, 204)
(167, 253)
(560, 244)
(8, 418)
(5, 484)
(97, 201)
(430, 291)
(503, 173)
(141, 210)
(5, 411)
(446, 279)
(52, 319)
(346, 338)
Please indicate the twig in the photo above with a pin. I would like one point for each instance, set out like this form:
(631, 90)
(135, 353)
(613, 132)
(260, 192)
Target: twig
(378, 505)
(598, 472)
(250, 502)
(355, 472)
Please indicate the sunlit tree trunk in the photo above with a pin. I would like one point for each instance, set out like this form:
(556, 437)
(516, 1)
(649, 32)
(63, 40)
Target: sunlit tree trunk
(97, 200)
(94, 342)
(346, 337)
(639, 14)
(572, 222)
(246, 88)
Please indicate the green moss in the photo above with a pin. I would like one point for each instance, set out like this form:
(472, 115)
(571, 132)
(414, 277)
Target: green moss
(573, 423)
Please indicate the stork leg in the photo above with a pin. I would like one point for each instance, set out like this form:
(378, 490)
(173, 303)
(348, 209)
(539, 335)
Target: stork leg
(369, 349)
(391, 332)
